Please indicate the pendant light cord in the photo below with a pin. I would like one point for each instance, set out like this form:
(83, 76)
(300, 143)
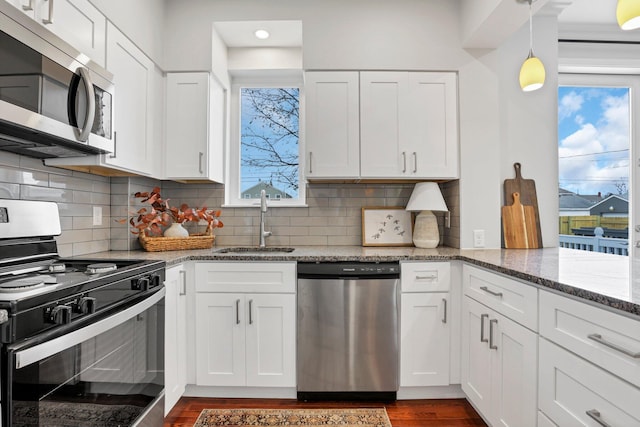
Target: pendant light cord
(530, 28)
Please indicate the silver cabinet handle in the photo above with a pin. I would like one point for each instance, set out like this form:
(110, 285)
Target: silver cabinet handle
(431, 277)
(310, 162)
(200, 154)
(237, 312)
(115, 145)
(183, 286)
(444, 314)
(595, 414)
(85, 131)
(250, 309)
(490, 292)
(415, 162)
(49, 20)
(491, 323)
(482, 337)
(598, 338)
(29, 6)
(404, 162)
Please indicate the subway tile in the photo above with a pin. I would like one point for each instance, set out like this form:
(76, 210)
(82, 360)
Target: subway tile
(29, 192)
(308, 240)
(9, 191)
(84, 248)
(27, 177)
(344, 240)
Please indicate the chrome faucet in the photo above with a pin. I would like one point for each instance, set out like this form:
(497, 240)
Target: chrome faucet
(263, 210)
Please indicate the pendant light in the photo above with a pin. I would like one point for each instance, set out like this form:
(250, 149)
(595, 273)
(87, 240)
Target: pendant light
(628, 14)
(532, 72)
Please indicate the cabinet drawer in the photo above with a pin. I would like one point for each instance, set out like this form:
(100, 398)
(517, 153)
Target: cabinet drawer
(246, 277)
(571, 388)
(607, 339)
(518, 301)
(425, 276)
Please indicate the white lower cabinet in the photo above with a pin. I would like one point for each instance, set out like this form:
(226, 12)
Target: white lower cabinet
(425, 336)
(574, 392)
(245, 338)
(499, 366)
(425, 324)
(175, 343)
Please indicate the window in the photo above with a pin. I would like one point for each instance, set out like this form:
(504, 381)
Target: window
(266, 145)
(594, 145)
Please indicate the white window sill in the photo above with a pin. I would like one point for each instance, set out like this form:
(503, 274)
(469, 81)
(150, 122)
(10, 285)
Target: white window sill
(270, 205)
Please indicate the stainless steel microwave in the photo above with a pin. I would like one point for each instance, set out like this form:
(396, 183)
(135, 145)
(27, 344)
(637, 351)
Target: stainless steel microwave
(54, 101)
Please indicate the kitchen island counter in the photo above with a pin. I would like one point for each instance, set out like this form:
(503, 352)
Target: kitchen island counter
(596, 277)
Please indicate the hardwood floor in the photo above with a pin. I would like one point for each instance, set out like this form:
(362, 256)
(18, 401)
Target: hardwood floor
(403, 413)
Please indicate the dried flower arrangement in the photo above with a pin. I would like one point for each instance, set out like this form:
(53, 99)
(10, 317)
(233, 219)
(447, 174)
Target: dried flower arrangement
(150, 221)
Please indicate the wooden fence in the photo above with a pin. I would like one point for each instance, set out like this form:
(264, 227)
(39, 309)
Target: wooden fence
(569, 222)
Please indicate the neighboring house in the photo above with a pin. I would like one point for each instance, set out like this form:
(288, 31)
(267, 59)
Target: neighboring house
(612, 206)
(572, 204)
(271, 192)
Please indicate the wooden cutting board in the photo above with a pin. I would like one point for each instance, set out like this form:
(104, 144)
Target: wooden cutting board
(519, 225)
(527, 190)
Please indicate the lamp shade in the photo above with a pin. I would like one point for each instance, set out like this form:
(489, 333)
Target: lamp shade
(628, 14)
(532, 74)
(426, 196)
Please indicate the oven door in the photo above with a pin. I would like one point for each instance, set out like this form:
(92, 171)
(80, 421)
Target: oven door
(106, 373)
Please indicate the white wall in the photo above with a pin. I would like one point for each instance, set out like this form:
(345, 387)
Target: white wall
(141, 20)
(498, 123)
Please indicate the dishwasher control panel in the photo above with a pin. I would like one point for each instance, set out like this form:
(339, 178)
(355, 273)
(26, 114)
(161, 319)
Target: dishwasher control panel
(348, 269)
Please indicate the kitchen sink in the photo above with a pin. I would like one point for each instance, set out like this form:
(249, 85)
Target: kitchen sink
(249, 249)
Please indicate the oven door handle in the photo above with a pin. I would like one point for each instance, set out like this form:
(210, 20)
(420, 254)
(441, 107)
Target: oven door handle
(49, 348)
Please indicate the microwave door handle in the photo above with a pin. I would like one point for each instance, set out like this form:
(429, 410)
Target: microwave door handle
(85, 130)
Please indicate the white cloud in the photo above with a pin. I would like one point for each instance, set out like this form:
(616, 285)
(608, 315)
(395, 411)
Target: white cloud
(569, 104)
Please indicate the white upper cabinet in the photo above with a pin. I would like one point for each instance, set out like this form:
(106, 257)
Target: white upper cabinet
(401, 125)
(77, 22)
(134, 100)
(194, 127)
(408, 125)
(332, 124)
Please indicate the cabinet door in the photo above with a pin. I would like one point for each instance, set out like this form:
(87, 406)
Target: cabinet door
(175, 336)
(271, 340)
(476, 358)
(186, 151)
(431, 141)
(78, 23)
(220, 339)
(25, 6)
(332, 133)
(574, 392)
(514, 366)
(425, 339)
(383, 116)
(134, 100)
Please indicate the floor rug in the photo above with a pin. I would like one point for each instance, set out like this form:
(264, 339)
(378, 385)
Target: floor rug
(373, 417)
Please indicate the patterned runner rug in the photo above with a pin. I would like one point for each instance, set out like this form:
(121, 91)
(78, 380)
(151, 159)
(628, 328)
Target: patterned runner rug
(373, 417)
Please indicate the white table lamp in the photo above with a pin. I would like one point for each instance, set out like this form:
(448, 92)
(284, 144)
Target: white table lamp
(426, 197)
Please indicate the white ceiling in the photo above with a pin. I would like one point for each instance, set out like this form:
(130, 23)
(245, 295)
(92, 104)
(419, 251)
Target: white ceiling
(589, 12)
(241, 33)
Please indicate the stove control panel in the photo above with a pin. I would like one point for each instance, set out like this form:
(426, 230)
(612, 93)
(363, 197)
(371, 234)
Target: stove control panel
(145, 283)
(59, 315)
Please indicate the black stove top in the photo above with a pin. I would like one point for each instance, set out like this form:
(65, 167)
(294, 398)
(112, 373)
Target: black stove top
(40, 291)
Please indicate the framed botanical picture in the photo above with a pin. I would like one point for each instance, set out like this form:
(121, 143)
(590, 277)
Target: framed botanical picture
(386, 226)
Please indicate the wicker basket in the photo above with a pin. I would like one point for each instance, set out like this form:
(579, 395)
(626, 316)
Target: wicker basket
(193, 241)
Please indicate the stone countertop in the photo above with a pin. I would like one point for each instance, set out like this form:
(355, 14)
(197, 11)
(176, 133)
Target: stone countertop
(600, 278)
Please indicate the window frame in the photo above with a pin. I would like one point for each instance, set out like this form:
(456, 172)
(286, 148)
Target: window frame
(233, 196)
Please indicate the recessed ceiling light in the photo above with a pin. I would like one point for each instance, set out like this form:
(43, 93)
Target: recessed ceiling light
(262, 34)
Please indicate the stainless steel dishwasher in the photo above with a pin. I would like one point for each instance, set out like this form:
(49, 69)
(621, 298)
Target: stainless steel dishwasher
(348, 331)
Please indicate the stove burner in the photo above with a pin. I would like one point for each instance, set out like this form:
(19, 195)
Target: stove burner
(101, 268)
(21, 284)
(57, 267)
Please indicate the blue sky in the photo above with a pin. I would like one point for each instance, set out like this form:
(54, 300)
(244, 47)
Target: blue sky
(593, 138)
